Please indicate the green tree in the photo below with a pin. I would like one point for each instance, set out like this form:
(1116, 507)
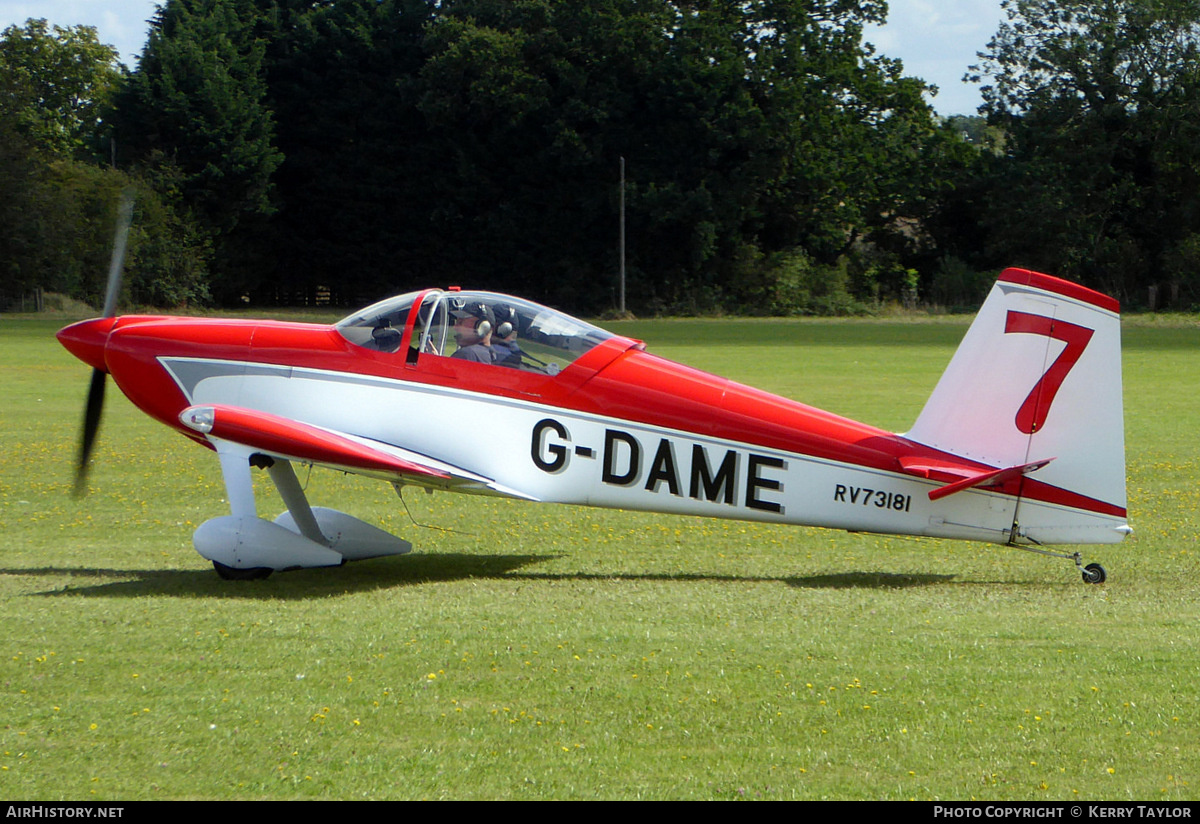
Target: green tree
(58, 196)
(57, 85)
(1100, 100)
(530, 106)
(197, 102)
(355, 178)
(56, 230)
(748, 128)
(199, 97)
(374, 145)
(22, 252)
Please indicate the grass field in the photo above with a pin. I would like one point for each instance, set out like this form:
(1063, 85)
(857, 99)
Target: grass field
(548, 652)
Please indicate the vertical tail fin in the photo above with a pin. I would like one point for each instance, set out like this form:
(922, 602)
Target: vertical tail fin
(1038, 376)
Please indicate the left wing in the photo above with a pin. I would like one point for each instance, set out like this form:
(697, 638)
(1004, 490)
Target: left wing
(294, 440)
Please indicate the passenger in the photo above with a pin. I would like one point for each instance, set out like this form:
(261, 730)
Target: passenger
(505, 349)
(473, 325)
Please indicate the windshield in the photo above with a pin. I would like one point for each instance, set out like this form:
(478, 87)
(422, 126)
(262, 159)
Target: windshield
(381, 325)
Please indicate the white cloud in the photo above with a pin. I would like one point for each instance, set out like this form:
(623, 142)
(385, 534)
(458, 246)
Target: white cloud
(938, 41)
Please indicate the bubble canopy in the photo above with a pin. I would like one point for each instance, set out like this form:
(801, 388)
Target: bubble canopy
(545, 340)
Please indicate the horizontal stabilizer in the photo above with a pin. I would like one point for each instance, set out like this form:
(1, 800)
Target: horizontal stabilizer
(996, 477)
(939, 469)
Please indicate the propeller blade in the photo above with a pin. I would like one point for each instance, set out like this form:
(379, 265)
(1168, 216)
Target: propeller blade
(112, 292)
(91, 424)
(124, 219)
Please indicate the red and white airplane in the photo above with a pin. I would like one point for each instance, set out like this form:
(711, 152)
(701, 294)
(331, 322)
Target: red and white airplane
(1021, 442)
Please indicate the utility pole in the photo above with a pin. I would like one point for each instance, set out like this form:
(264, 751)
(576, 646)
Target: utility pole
(621, 241)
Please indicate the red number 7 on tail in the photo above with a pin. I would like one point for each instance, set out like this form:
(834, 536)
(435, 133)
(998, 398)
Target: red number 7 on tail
(1032, 414)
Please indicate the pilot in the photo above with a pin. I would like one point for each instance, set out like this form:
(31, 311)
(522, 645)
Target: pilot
(505, 348)
(473, 325)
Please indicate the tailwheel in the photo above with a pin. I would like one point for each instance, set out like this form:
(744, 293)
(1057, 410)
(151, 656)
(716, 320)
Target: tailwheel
(235, 574)
(1094, 574)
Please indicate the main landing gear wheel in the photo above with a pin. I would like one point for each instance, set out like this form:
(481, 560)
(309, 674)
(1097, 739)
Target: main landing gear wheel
(234, 574)
(1094, 574)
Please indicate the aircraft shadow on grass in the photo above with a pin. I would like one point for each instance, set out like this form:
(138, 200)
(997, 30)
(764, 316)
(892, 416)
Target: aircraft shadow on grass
(415, 570)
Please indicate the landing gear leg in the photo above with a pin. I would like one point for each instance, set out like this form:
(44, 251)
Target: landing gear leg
(1092, 573)
(244, 547)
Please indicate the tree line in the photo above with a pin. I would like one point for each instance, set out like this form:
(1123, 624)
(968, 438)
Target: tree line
(293, 151)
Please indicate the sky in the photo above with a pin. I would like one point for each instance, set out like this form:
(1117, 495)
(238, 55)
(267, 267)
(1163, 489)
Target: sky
(936, 40)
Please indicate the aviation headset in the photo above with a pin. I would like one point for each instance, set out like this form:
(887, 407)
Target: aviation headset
(484, 319)
(506, 318)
